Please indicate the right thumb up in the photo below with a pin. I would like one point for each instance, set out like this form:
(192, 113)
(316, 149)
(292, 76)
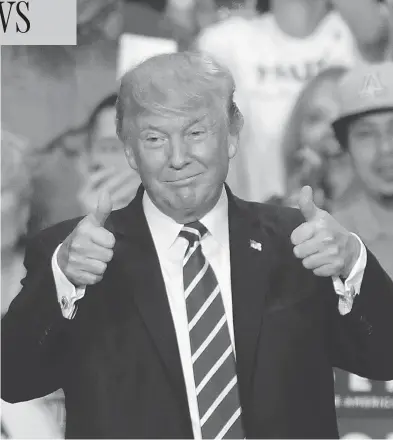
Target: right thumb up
(104, 208)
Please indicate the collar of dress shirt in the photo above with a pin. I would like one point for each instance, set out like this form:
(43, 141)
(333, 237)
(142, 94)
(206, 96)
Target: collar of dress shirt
(165, 230)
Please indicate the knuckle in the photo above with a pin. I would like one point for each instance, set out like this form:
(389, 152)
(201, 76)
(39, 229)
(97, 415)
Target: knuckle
(91, 278)
(89, 281)
(72, 259)
(97, 279)
(327, 238)
(76, 245)
(111, 239)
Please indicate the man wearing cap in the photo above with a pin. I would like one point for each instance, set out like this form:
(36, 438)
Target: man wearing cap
(191, 313)
(365, 129)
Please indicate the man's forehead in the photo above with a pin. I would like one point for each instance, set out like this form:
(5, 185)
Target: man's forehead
(376, 118)
(174, 120)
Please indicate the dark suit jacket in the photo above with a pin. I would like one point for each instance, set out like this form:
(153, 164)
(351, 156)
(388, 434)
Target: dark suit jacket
(118, 360)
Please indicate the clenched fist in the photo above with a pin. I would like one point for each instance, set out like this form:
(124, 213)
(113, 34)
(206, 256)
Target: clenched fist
(323, 245)
(85, 253)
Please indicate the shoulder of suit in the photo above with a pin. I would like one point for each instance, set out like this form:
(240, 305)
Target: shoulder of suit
(49, 238)
(280, 219)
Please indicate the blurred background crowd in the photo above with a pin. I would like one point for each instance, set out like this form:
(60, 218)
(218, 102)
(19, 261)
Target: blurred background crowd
(59, 144)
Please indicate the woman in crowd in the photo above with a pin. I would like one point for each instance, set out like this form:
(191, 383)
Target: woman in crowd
(40, 418)
(15, 207)
(56, 180)
(311, 153)
(76, 166)
(104, 164)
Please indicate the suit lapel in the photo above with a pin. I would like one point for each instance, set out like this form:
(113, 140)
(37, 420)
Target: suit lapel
(137, 260)
(251, 269)
(252, 260)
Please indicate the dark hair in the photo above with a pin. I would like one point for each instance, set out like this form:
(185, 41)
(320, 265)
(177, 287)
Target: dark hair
(108, 102)
(341, 127)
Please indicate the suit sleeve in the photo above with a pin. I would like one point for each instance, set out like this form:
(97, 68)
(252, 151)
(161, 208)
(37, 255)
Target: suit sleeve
(33, 333)
(361, 341)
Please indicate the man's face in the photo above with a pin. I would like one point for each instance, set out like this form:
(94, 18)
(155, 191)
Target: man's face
(370, 143)
(182, 161)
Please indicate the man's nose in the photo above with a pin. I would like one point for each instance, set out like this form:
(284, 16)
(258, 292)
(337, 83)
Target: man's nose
(178, 153)
(387, 144)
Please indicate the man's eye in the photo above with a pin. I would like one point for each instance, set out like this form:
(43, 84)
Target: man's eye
(364, 133)
(154, 141)
(197, 134)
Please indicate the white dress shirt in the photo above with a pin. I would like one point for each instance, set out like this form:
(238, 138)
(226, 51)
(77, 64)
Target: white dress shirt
(171, 250)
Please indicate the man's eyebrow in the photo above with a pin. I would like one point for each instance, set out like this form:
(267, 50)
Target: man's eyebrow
(196, 120)
(150, 126)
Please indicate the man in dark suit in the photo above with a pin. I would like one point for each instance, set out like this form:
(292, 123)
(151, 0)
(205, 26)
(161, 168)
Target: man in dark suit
(191, 313)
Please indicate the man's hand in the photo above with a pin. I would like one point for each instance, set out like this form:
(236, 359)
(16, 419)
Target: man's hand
(84, 254)
(323, 245)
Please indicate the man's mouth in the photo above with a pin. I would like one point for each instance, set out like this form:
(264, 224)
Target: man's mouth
(183, 180)
(386, 170)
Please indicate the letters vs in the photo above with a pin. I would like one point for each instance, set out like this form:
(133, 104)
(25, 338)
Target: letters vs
(14, 12)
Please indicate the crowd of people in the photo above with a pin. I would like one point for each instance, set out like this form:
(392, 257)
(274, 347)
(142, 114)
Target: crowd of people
(314, 83)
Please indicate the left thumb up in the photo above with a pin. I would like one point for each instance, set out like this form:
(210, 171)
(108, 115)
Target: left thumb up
(306, 203)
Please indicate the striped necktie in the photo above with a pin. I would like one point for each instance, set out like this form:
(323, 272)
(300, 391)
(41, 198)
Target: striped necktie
(211, 349)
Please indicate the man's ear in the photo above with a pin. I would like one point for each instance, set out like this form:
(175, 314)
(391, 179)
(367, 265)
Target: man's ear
(130, 157)
(233, 142)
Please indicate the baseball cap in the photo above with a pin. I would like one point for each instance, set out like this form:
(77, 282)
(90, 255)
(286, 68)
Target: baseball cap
(364, 89)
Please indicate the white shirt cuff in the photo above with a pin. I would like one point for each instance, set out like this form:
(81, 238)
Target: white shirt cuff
(351, 287)
(67, 293)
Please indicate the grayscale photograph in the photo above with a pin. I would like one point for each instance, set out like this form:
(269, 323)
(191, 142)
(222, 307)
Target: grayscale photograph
(196, 219)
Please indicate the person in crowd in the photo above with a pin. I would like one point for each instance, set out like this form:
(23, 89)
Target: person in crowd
(15, 211)
(104, 162)
(190, 17)
(29, 419)
(78, 164)
(272, 57)
(57, 179)
(312, 155)
(364, 128)
(171, 318)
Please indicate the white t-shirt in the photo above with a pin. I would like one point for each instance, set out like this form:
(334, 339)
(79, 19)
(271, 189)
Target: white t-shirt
(270, 69)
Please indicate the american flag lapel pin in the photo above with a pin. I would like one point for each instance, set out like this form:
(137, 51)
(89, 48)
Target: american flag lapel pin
(255, 245)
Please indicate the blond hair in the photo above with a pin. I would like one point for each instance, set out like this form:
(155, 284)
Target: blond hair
(292, 139)
(173, 85)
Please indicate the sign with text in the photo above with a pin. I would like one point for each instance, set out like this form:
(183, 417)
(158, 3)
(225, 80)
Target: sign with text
(38, 22)
(134, 49)
(364, 407)
(357, 396)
